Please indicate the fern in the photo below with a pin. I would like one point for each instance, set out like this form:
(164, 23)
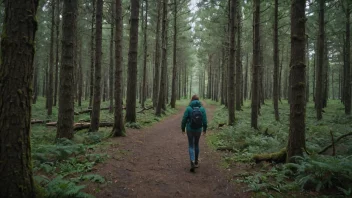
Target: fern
(60, 188)
(323, 171)
(63, 149)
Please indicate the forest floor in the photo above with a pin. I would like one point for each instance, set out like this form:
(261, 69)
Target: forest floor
(154, 162)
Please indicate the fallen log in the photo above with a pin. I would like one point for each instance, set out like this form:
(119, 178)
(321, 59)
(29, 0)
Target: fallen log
(84, 111)
(89, 110)
(51, 124)
(83, 125)
(35, 121)
(86, 125)
(144, 109)
(278, 157)
(334, 143)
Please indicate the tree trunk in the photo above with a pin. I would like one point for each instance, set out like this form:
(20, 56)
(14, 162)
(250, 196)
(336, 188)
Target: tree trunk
(156, 84)
(223, 65)
(47, 83)
(95, 119)
(307, 70)
(238, 59)
(296, 141)
(16, 72)
(111, 68)
(210, 74)
(144, 86)
(245, 89)
(256, 65)
(280, 74)
(161, 100)
(119, 128)
(174, 60)
(86, 84)
(43, 83)
(314, 76)
(325, 92)
(261, 76)
(276, 62)
(80, 75)
(320, 63)
(91, 87)
(332, 86)
(132, 64)
(57, 42)
(231, 66)
(66, 93)
(105, 85)
(347, 84)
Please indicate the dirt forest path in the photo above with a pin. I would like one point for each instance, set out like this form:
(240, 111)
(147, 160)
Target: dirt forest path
(155, 163)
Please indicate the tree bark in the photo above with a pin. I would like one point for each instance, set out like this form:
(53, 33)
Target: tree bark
(119, 127)
(156, 83)
(347, 84)
(210, 74)
(325, 92)
(174, 60)
(80, 74)
(238, 59)
(161, 100)
(16, 72)
(256, 65)
(307, 70)
(57, 42)
(231, 66)
(132, 64)
(144, 85)
(223, 74)
(296, 141)
(105, 85)
(280, 74)
(66, 93)
(320, 63)
(47, 82)
(95, 119)
(276, 62)
(245, 89)
(111, 68)
(91, 87)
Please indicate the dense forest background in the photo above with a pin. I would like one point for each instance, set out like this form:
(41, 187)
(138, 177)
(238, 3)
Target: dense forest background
(280, 70)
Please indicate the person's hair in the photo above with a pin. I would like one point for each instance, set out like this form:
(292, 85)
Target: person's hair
(195, 97)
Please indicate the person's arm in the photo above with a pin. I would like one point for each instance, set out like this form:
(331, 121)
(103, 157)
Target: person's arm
(184, 120)
(205, 120)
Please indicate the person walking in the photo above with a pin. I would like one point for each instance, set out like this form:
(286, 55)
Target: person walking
(193, 121)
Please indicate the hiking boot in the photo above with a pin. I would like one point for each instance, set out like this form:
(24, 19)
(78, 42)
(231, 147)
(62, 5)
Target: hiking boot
(192, 167)
(196, 164)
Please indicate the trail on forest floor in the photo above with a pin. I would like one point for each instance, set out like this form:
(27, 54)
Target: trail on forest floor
(154, 162)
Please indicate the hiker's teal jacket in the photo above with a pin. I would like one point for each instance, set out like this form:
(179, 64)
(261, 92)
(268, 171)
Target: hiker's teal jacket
(186, 121)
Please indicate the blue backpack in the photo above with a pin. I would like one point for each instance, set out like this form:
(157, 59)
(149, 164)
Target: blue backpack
(196, 118)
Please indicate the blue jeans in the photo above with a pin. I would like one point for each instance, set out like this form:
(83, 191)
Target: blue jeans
(193, 145)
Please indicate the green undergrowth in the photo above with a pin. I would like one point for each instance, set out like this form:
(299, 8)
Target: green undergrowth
(61, 167)
(325, 174)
